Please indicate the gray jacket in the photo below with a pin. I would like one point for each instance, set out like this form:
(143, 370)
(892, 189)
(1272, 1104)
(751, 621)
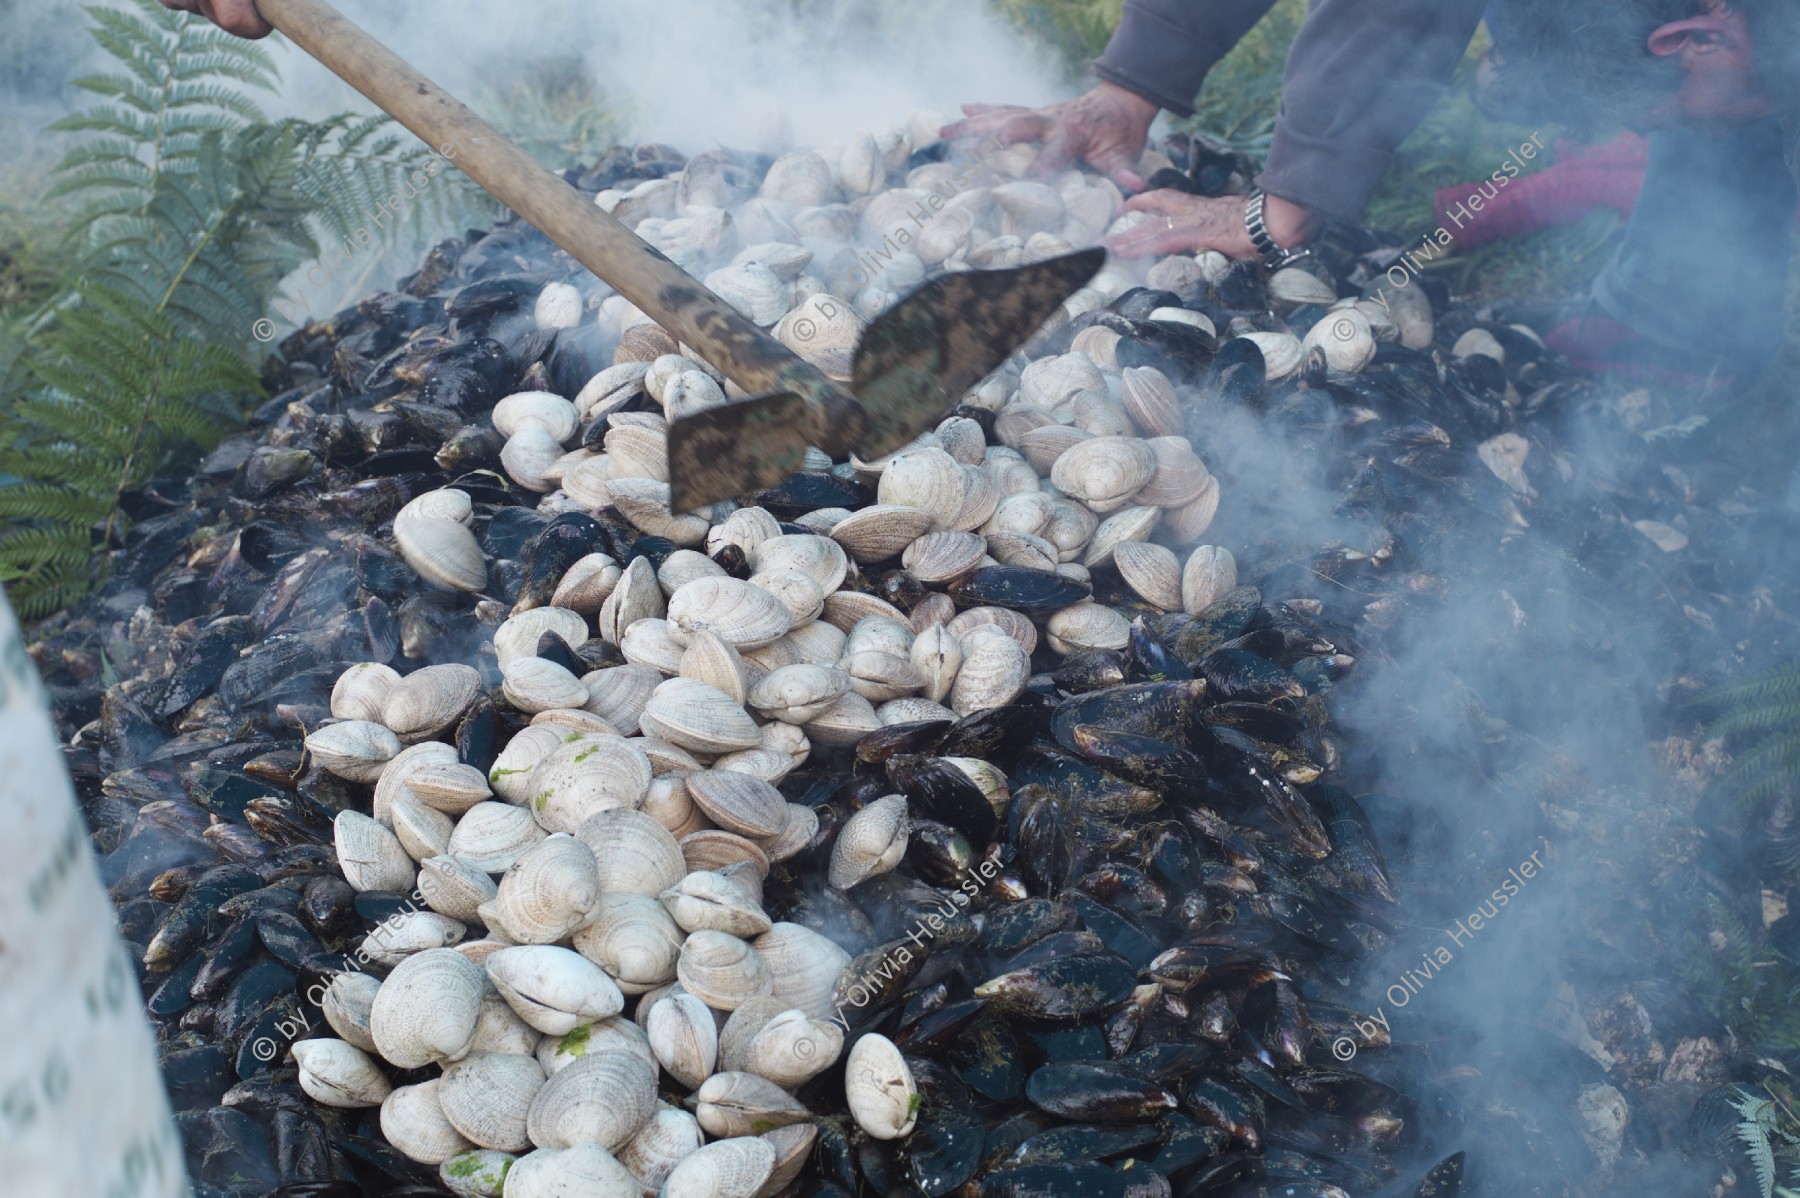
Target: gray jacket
(1361, 76)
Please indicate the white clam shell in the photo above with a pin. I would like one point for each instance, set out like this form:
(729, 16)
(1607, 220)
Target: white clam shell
(633, 852)
(619, 694)
(737, 1167)
(706, 900)
(558, 307)
(1087, 625)
(871, 842)
(744, 616)
(339, 1074)
(1282, 353)
(485, 1097)
(739, 802)
(548, 892)
(1296, 285)
(584, 1170)
(634, 939)
(492, 836)
(792, 1049)
(879, 1088)
(993, 674)
(553, 989)
(414, 1123)
(698, 717)
(444, 553)
(743, 1104)
(805, 966)
(617, 1034)
(602, 1098)
(684, 1037)
(454, 888)
(519, 633)
(476, 1174)
(584, 775)
(346, 1006)
(426, 1009)
(927, 480)
(542, 409)
(721, 970)
(1346, 338)
(360, 692)
(371, 856)
(426, 702)
(1209, 573)
(670, 1136)
(1152, 571)
(355, 750)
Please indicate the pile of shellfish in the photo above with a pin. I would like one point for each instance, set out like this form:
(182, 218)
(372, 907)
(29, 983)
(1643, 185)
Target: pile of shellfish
(963, 820)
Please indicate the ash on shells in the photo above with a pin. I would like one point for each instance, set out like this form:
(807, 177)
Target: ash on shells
(950, 820)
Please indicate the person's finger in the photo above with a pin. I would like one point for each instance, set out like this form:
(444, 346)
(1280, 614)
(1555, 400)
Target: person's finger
(1147, 241)
(237, 16)
(1164, 200)
(1060, 148)
(984, 109)
(995, 123)
(1118, 166)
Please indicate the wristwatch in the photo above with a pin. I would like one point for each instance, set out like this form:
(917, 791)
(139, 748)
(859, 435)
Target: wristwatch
(1273, 256)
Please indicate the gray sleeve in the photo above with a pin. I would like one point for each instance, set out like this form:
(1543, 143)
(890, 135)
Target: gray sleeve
(1360, 77)
(1163, 49)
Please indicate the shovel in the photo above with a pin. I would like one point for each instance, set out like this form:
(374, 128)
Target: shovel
(914, 362)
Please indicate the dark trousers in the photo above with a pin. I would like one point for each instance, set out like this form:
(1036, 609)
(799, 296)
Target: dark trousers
(1703, 268)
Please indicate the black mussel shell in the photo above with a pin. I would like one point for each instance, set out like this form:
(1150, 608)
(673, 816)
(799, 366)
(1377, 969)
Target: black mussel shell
(1098, 1091)
(998, 734)
(199, 670)
(1020, 588)
(936, 789)
(1234, 1110)
(1162, 766)
(510, 530)
(942, 1156)
(810, 490)
(1091, 670)
(1010, 928)
(1083, 1142)
(900, 588)
(731, 558)
(1061, 988)
(1233, 675)
(1157, 709)
(567, 539)
(922, 736)
(1074, 1181)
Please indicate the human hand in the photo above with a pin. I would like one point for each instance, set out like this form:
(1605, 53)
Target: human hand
(1104, 128)
(233, 16)
(1183, 224)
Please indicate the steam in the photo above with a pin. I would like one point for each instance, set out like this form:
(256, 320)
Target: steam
(765, 74)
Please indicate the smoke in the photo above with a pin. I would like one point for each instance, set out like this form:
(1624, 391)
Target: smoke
(1501, 722)
(757, 74)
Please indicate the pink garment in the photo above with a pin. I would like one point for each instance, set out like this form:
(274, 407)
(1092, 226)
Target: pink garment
(1583, 179)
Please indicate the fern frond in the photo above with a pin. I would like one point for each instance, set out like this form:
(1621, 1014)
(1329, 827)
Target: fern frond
(1757, 1116)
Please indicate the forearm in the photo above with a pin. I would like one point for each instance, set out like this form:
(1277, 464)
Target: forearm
(1360, 77)
(1163, 49)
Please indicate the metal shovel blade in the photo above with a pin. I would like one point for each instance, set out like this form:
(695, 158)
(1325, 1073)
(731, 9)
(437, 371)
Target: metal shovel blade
(914, 363)
(917, 359)
(734, 449)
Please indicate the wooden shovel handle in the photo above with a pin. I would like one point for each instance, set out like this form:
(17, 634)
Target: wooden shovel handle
(746, 354)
